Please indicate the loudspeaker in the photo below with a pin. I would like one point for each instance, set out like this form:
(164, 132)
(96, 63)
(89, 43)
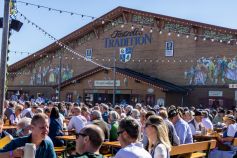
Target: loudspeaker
(16, 25)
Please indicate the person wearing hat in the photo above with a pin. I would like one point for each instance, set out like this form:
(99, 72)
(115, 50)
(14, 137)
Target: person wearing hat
(182, 128)
(230, 132)
(196, 123)
(219, 117)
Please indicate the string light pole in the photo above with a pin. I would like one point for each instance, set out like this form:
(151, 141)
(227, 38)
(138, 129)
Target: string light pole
(4, 49)
(114, 77)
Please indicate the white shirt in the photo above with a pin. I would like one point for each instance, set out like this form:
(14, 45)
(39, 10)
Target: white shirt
(207, 123)
(77, 122)
(25, 111)
(134, 150)
(232, 129)
(161, 151)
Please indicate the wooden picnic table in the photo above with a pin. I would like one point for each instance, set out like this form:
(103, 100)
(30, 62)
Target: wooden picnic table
(67, 138)
(5, 127)
(115, 144)
(199, 137)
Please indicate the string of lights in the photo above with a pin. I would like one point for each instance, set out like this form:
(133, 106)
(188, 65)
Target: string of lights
(19, 52)
(143, 27)
(61, 44)
(56, 10)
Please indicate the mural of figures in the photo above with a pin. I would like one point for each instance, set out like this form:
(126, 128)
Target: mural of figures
(218, 70)
(44, 75)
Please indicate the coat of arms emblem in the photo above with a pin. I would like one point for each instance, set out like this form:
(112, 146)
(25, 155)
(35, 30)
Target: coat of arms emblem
(125, 54)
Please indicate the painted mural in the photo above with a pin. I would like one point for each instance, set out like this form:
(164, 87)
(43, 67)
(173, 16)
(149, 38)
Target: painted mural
(212, 70)
(47, 75)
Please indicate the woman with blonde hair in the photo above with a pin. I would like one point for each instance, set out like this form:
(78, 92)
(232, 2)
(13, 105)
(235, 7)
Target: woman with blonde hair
(157, 132)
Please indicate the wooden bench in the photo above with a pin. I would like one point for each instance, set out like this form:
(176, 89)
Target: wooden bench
(234, 142)
(194, 150)
(60, 151)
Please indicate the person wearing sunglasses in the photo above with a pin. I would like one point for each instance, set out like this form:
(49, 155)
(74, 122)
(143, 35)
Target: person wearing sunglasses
(157, 132)
(88, 142)
(129, 132)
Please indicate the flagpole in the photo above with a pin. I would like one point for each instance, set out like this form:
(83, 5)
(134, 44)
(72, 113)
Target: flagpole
(114, 77)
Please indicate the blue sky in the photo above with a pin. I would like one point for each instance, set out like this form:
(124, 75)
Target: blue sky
(29, 39)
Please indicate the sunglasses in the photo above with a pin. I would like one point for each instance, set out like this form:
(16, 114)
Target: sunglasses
(120, 132)
(80, 134)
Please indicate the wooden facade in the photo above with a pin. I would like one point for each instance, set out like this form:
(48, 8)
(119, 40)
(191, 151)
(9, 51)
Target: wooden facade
(199, 57)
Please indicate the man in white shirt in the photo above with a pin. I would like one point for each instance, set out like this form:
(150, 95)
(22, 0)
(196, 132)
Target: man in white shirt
(206, 121)
(128, 135)
(77, 121)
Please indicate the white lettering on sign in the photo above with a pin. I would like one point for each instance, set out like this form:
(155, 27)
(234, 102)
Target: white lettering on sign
(215, 93)
(106, 83)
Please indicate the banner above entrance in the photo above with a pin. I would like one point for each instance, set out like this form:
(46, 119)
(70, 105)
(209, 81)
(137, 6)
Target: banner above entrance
(106, 83)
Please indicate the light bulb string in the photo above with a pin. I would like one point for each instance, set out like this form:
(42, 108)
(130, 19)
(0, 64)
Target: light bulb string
(61, 44)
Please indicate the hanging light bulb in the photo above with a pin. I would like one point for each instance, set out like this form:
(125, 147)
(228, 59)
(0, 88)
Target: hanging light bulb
(112, 23)
(204, 39)
(132, 27)
(178, 35)
(122, 26)
(195, 38)
(160, 32)
(142, 29)
(187, 36)
(169, 33)
(103, 22)
(212, 40)
(228, 42)
(221, 41)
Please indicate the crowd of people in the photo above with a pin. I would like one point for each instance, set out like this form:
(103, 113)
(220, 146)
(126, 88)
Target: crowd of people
(142, 130)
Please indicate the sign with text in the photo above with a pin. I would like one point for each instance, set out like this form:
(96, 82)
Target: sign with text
(127, 38)
(169, 48)
(106, 83)
(232, 85)
(215, 93)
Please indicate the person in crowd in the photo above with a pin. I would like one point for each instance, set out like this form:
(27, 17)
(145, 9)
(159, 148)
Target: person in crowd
(16, 116)
(23, 127)
(113, 121)
(187, 115)
(196, 123)
(182, 128)
(118, 109)
(77, 121)
(128, 110)
(135, 114)
(224, 144)
(27, 108)
(55, 127)
(62, 109)
(138, 106)
(86, 113)
(32, 111)
(105, 112)
(47, 111)
(206, 121)
(231, 129)
(40, 129)
(219, 117)
(88, 142)
(128, 135)
(96, 118)
(157, 132)
(50, 105)
(173, 137)
(9, 109)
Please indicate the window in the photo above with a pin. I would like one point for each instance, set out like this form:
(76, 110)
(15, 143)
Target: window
(89, 54)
